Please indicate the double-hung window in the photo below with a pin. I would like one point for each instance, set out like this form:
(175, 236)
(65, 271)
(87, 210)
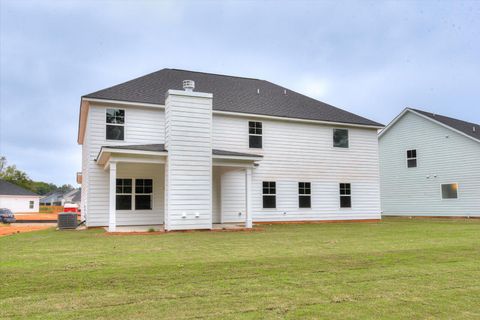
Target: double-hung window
(115, 122)
(143, 194)
(269, 194)
(340, 138)
(255, 134)
(134, 194)
(304, 195)
(411, 158)
(124, 194)
(31, 204)
(345, 195)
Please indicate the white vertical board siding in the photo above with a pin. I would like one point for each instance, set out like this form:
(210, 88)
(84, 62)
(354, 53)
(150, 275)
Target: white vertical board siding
(189, 162)
(233, 203)
(408, 191)
(216, 194)
(303, 152)
(142, 126)
(20, 203)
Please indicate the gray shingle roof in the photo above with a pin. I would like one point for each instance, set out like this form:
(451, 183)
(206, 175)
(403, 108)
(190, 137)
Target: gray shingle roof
(233, 94)
(160, 147)
(10, 189)
(460, 125)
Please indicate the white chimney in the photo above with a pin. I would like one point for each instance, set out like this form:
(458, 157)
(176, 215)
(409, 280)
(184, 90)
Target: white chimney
(188, 85)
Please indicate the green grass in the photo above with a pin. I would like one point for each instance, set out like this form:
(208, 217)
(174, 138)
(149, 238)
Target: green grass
(396, 269)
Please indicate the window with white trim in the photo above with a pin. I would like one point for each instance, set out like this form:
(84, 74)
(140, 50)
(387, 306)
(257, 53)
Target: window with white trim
(340, 138)
(31, 204)
(143, 194)
(345, 195)
(450, 191)
(304, 195)
(255, 134)
(412, 158)
(115, 124)
(124, 194)
(269, 194)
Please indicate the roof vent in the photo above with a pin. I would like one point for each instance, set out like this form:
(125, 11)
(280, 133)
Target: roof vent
(474, 129)
(285, 91)
(258, 91)
(188, 85)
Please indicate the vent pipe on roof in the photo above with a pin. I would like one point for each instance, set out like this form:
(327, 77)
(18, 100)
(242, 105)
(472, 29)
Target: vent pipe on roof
(474, 129)
(188, 85)
(258, 91)
(285, 91)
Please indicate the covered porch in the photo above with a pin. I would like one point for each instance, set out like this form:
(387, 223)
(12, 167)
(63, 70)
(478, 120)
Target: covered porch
(137, 184)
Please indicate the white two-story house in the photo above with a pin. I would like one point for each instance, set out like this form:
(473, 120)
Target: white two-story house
(430, 166)
(159, 150)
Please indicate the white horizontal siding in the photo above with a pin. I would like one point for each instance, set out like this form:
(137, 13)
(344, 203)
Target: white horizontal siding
(293, 152)
(408, 191)
(299, 152)
(19, 203)
(142, 126)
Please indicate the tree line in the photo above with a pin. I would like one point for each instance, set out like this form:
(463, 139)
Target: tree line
(13, 175)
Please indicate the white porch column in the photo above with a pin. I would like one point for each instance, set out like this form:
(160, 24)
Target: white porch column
(112, 223)
(248, 197)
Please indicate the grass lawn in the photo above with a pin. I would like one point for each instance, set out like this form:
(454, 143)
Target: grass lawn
(399, 268)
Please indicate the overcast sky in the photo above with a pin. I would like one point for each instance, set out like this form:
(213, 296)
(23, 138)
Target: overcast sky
(370, 58)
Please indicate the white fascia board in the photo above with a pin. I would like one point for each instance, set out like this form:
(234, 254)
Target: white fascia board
(393, 122)
(127, 103)
(238, 114)
(20, 196)
(444, 125)
(424, 117)
(105, 153)
(242, 158)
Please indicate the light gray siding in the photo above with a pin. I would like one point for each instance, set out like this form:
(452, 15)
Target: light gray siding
(444, 156)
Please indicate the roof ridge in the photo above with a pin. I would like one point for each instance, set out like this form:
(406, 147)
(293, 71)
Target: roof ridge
(213, 74)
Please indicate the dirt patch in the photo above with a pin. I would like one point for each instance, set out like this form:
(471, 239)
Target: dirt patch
(36, 216)
(6, 230)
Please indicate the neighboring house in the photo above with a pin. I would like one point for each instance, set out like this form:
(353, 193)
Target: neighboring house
(17, 198)
(430, 166)
(52, 199)
(234, 150)
(58, 198)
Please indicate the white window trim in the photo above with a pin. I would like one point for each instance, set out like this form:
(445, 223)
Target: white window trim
(345, 195)
(304, 195)
(133, 208)
(254, 134)
(333, 142)
(449, 199)
(407, 158)
(270, 194)
(116, 124)
(31, 204)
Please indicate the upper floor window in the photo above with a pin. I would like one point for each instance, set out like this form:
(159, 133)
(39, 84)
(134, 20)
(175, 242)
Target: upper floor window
(115, 124)
(255, 134)
(269, 194)
(340, 138)
(304, 195)
(411, 158)
(450, 191)
(345, 195)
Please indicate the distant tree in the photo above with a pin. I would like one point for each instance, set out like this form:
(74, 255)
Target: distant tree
(65, 188)
(42, 188)
(15, 176)
(3, 163)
